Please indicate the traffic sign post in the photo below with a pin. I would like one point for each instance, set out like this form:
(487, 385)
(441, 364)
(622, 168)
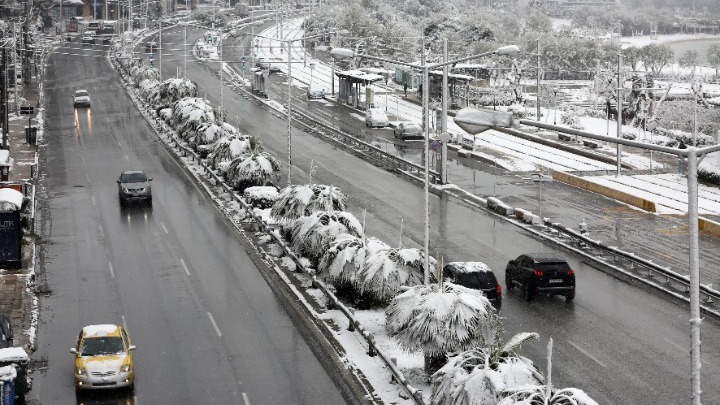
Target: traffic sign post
(27, 110)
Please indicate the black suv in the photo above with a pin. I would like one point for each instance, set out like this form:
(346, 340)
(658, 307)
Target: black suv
(475, 275)
(540, 273)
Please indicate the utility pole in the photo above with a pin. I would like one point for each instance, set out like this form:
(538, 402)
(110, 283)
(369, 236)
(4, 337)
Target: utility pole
(619, 110)
(443, 122)
(538, 81)
(4, 98)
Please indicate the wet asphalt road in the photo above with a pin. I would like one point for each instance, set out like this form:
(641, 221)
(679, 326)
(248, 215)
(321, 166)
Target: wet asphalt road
(618, 342)
(207, 327)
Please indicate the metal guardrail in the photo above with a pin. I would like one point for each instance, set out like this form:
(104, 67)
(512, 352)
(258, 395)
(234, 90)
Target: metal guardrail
(670, 275)
(354, 323)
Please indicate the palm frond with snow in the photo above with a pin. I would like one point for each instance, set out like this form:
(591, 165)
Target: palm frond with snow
(437, 320)
(386, 271)
(312, 235)
(226, 149)
(301, 200)
(537, 394)
(174, 89)
(257, 169)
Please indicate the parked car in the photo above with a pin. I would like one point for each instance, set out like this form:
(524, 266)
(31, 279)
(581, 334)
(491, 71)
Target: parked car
(475, 275)
(103, 358)
(134, 185)
(81, 98)
(540, 274)
(315, 92)
(408, 130)
(88, 37)
(6, 332)
(376, 118)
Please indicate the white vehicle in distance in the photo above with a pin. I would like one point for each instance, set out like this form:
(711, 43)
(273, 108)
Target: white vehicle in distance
(376, 118)
(88, 37)
(315, 92)
(81, 98)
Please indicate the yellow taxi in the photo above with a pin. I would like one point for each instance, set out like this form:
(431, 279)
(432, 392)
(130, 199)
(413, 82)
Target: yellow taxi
(103, 358)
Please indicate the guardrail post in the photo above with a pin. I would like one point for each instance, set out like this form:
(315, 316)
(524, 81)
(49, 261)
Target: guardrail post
(371, 345)
(393, 380)
(351, 324)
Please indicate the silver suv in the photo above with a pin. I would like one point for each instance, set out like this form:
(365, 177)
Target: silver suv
(134, 185)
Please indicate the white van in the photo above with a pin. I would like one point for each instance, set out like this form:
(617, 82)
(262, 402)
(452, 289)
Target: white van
(315, 91)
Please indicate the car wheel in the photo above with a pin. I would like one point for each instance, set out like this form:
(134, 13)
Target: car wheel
(528, 293)
(570, 297)
(509, 283)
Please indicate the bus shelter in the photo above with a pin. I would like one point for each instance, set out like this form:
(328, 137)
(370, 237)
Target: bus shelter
(350, 84)
(458, 86)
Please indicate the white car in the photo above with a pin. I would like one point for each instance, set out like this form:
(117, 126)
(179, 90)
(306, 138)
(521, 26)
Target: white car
(88, 37)
(81, 98)
(376, 117)
(315, 92)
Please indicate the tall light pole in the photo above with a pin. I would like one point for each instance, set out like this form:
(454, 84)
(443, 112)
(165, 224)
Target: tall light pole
(619, 110)
(537, 91)
(288, 109)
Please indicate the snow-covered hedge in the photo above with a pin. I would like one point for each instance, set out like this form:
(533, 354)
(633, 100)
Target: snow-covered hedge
(262, 197)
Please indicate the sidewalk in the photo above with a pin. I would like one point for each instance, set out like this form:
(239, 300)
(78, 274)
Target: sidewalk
(16, 298)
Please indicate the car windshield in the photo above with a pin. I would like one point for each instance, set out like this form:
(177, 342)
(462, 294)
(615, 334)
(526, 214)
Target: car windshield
(133, 178)
(81, 93)
(98, 346)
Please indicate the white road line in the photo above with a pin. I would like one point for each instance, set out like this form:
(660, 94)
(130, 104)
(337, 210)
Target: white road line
(212, 320)
(100, 229)
(587, 354)
(112, 272)
(678, 345)
(93, 200)
(164, 228)
(87, 177)
(123, 321)
(245, 399)
(185, 267)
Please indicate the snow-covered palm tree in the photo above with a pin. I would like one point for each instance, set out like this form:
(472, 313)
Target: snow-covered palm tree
(226, 149)
(301, 200)
(437, 319)
(174, 89)
(149, 89)
(386, 271)
(481, 375)
(207, 134)
(256, 168)
(342, 262)
(546, 394)
(190, 113)
(140, 72)
(312, 235)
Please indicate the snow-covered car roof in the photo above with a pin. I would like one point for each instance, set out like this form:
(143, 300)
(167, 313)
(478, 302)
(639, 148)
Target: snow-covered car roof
(100, 330)
(13, 354)
(469, 267)
(12, 196)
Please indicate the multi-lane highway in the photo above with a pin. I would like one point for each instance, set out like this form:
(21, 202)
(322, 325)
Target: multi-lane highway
(209, 330)
(207, 327)
(619, 342)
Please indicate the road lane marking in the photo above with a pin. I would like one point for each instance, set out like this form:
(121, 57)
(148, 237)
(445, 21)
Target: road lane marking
(100, 229)
(587, 354)
(164, 228)
(112, 272)
(93, 201)
(212, 320)
(87, 177)
(185, 267)
(245, 399)
(677, 345)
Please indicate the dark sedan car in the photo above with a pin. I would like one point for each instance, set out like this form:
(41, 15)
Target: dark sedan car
(541, 274)
(134, 185)
(408, 130)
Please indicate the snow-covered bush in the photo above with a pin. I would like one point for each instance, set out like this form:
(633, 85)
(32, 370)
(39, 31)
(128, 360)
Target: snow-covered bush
(140, 72)
(257, 168)
(302, 200)
(172, 90)
(312, 235)
(226, 149)
(629, 135)
(261, 197)
(342, 262)
(207, 134)
(518, 111)
(386, 271)
(149, 89)
(190, 113)
(481, 375)
(437, 319)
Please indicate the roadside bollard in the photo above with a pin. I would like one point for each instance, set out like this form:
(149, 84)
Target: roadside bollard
(392, 375)
(351, 324)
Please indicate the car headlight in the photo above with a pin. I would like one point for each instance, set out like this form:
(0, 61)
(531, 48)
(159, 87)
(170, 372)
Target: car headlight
(126, 190)
(80, 371)
(125, 368)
